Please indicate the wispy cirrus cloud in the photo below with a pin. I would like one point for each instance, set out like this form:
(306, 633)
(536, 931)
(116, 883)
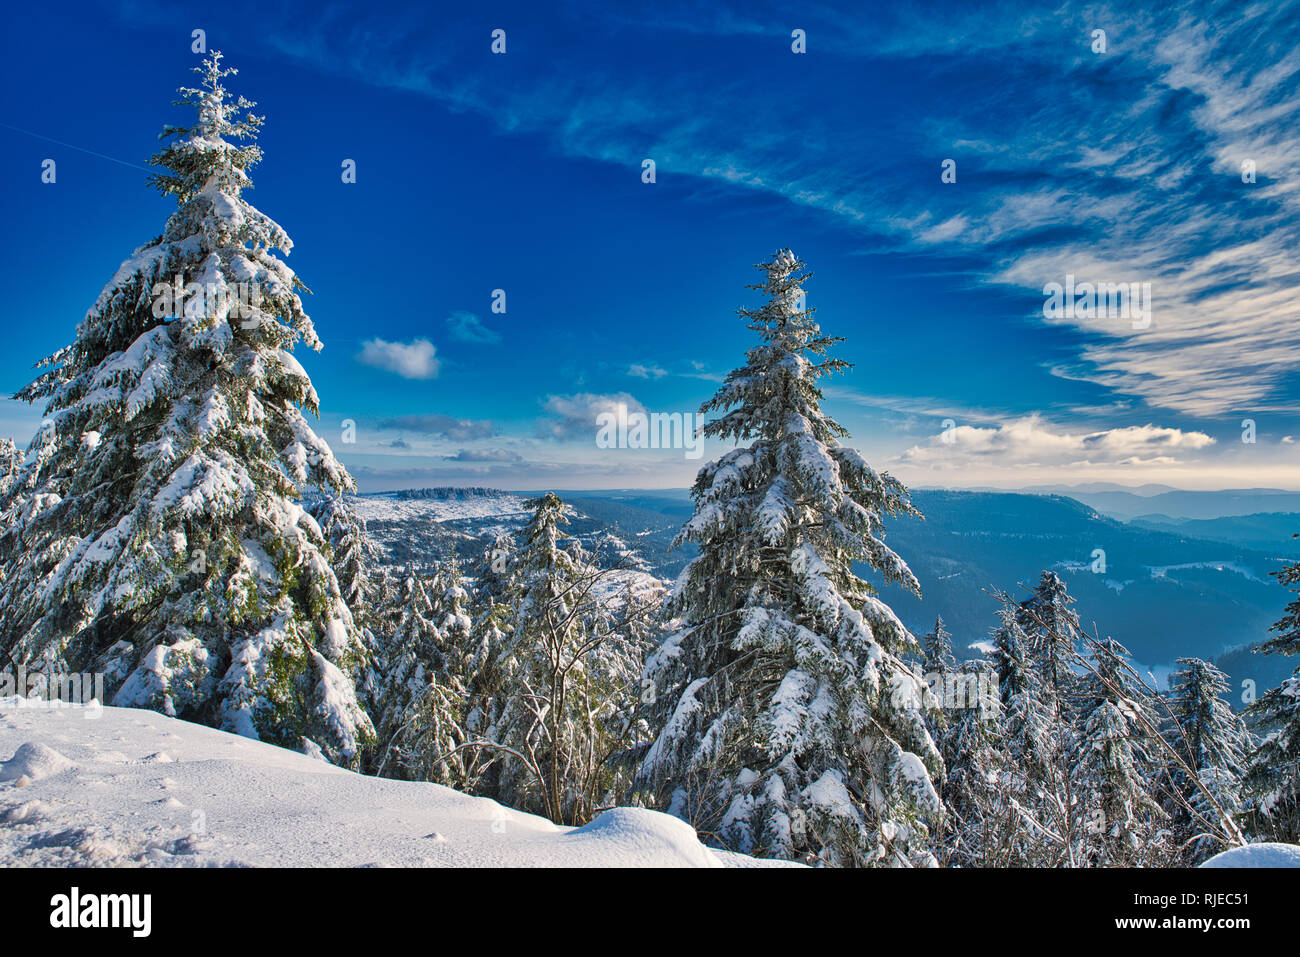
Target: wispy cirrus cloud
(638, 370)
(1121, 166)
(468, 327)
(924, 406)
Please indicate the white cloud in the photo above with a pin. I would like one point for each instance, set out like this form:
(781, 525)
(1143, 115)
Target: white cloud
(1032, 441)
(411, 360)
(485, 455)
(571, 416)
(651, 371)
(441, 426)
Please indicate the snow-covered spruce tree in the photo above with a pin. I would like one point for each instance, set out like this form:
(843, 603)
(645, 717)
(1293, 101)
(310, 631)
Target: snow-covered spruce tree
(1111, 675)
(154, 530)
(1037, 656)
(975, 819)
(480, 657)
(383, 592)
(1213, 741)
(1273, 774)
(352, 555)
(937, 648)
(566, 674)
(354, 559)
(430, 724)
(1052, 626)
(10, 460)
(938, 665)
(406, 634)
(1115, 767)
(787, 723)
(377, 635)
(409, 651)
(494, 568)
(1033, 778)
(489, 634)
(451, 606)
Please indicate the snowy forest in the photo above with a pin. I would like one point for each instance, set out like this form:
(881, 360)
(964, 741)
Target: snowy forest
(178, 526)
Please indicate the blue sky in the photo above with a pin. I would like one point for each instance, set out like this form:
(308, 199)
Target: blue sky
(523, 172)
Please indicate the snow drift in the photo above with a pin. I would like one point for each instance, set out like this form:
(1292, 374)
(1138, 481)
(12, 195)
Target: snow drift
(1258, 855)
(120, 786)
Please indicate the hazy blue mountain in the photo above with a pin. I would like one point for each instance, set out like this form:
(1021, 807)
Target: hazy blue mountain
(1126, 504)
(1165, 592)
(1162, 594)
(1168, 588)
(1268, 531)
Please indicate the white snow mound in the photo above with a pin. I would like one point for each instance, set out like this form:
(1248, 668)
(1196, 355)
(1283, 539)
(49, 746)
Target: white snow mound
(106, 797)
(34, 761)
(643, 832)
(1258, 855)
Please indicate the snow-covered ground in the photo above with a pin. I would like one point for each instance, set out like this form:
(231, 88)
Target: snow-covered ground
(1162, 571)
(132, 787)
(630, 582)
(387, 506)
(1258, 855)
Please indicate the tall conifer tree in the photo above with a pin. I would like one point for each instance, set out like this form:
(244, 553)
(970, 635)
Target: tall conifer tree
(786, 722)
(154, 531)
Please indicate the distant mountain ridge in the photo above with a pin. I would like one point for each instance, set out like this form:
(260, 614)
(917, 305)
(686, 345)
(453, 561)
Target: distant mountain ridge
(1165, 588)
(1163, 594)
(1178, 503)
(1266, 531)
(444, 492)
